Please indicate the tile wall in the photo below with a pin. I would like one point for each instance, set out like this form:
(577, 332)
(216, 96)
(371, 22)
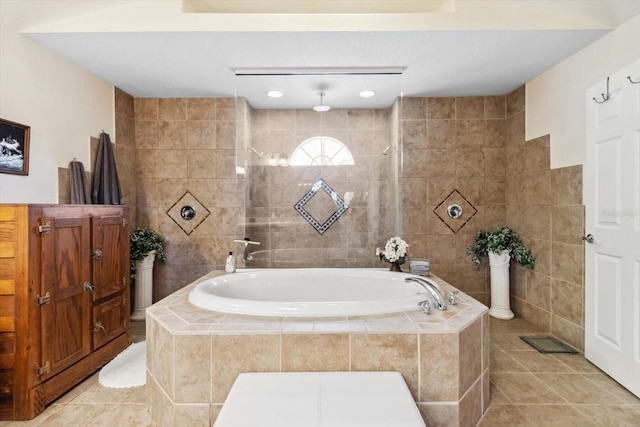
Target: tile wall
(475, 145)
(452, 144)
(545, 206)
(189, 146)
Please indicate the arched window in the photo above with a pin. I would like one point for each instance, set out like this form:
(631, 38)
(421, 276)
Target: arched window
(321, 151)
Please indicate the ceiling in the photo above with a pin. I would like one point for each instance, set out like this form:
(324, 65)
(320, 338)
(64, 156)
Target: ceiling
(199, 48)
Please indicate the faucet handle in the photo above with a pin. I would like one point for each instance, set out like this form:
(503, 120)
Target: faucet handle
(426, 307)
(452, 298)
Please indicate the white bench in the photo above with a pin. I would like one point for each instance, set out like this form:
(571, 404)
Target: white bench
(320, 399)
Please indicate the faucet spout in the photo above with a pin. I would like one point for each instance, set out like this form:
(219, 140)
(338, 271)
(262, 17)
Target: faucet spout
(247, 241)
(432, 290)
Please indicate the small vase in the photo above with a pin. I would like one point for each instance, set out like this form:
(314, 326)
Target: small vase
(395, 266)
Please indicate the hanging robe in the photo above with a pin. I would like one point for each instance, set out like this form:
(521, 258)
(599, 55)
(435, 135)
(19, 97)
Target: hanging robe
(79, 186)
(106, 185)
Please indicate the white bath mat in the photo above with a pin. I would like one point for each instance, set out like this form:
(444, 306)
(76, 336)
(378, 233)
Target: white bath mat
(128, 369)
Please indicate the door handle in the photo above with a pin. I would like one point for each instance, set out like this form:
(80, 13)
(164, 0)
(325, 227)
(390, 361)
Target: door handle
(588, 238)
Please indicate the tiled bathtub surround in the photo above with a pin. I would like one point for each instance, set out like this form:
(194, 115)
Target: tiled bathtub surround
(195, 355)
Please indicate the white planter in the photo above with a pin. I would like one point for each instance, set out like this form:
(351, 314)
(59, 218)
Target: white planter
(144, 286)
(499, 268)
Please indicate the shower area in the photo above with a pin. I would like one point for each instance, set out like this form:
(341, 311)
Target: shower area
(321, 187)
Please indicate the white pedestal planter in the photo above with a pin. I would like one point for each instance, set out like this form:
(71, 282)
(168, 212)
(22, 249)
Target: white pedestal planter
(144, 286)
(499, 268)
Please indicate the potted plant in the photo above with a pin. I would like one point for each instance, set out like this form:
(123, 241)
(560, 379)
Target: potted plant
(145, 246)
(501, 245)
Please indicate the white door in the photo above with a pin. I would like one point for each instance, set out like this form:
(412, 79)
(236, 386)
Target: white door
(612, 216)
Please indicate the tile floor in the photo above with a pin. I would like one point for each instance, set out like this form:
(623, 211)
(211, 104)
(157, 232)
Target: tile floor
(527, 389)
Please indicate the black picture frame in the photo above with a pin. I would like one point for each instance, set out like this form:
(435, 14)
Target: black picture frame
(14, 147)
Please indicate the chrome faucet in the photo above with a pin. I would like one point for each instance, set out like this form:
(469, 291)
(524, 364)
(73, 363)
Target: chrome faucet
(432, 290)
(247, 241)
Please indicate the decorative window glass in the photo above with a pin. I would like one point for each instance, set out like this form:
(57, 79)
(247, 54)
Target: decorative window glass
(321, 151)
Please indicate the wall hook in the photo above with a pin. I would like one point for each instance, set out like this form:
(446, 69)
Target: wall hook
(606, 97)
(635, 83)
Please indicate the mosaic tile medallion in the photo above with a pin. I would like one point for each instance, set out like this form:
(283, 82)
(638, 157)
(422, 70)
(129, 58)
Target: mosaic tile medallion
(328, 209)
(188, 213)
(455, 198)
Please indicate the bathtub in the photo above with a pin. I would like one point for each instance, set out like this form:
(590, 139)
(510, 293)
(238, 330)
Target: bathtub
(309, 292)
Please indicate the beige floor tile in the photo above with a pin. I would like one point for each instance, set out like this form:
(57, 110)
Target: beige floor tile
(138, 395)
(501, 361)
(77, 390)
(98, 394)
(510, 342)
(577, 362)
(611, 415)
(497, 396)
(538, 362)
(74, 416)
(576, 388)
(502, 415)
(121, 415)
(554, 415)
(513, 326)
(611, 386)
(524, 388)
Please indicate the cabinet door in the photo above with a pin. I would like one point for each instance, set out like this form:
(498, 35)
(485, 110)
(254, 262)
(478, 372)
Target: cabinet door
(109, 249)
(65, 303)
(111, 318)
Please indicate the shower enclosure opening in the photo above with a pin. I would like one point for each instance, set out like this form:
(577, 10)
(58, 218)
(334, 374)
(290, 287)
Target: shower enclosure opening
(321, 188)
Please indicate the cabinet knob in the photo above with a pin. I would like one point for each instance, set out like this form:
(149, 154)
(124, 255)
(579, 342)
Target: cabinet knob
(97, 254)
(99, 327)
(87, 286)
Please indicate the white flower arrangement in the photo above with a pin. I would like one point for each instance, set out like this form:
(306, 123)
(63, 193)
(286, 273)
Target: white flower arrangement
(395, 250)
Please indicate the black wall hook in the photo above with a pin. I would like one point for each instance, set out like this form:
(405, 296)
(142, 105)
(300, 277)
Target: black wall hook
(606, 97)
(635, 83)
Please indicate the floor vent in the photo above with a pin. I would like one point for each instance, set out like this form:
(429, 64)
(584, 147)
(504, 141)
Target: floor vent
(546, 344)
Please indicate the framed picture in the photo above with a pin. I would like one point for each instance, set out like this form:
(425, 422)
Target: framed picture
(14, 148)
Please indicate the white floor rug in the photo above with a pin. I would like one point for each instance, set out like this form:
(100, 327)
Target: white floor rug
(128, 369)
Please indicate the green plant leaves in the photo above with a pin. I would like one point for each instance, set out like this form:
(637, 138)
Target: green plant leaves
(143, 241)
(502, 238)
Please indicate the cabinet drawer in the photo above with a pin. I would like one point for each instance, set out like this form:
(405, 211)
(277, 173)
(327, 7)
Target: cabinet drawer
(110, 319)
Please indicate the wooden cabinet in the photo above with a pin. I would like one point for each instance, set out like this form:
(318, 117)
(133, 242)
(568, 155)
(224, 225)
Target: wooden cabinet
(64, 299)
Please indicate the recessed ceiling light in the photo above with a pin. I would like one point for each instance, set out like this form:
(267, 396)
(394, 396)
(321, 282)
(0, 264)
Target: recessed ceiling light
(367, 93)
(274, 94)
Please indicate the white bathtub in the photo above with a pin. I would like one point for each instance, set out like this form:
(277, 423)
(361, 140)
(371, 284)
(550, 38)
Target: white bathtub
(309, 292)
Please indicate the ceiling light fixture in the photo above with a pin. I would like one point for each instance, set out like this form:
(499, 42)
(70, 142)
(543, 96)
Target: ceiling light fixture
(367, 93)
(274, 94)
(321, 107)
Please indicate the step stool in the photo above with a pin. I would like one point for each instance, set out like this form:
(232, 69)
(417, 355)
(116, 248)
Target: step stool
(320, 399)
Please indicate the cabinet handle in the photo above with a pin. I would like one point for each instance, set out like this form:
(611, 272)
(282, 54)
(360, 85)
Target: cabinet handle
(87, 286)
(97, 254)
(99, 327)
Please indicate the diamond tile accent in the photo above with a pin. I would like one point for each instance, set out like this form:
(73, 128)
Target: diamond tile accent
(334, 197)
(201, 213)
(468, 211)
